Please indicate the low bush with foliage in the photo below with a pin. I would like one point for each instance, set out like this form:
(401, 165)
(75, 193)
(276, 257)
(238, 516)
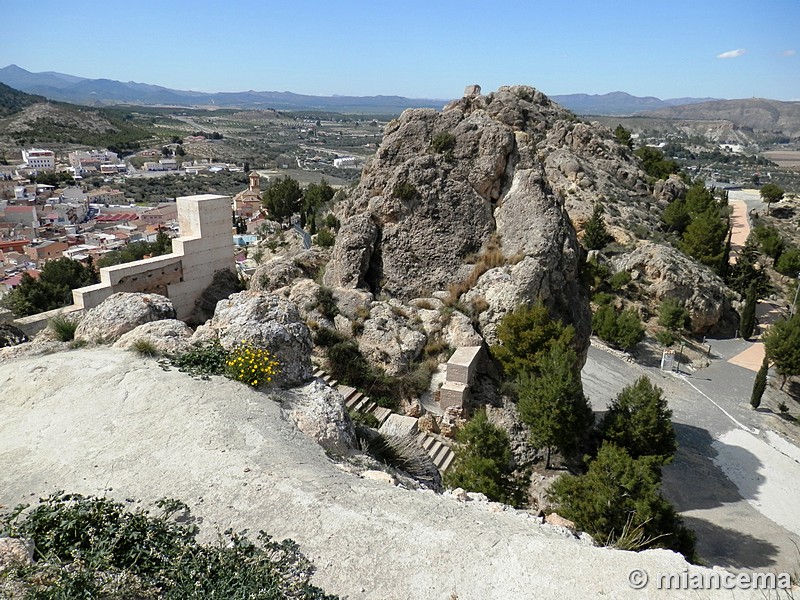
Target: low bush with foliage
(483, 462)
(145, 348)
(619, 495)
(639, 420)
(673, 315)
(245, 362)
(526, 335)
(88, 547)
(251, 365)
(63, 328)
(622, 329)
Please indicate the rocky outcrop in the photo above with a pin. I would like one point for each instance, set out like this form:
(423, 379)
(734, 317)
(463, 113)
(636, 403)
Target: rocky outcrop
(442, 187)
(120, 313)
(169, 336)
(318, 411)
(390, 338)
(283, 270)
(667, 273)
(266, 321)
(667, 190)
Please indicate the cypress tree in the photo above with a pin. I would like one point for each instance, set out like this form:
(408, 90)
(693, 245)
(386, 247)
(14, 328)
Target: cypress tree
(747, 322)
(595, 235)
(760, 383)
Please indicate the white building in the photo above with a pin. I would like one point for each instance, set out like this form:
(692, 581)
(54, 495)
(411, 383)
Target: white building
(41, 160)
(345, 162)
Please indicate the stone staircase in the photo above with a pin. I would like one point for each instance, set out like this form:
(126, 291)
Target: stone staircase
(355, 400)
(441, 454)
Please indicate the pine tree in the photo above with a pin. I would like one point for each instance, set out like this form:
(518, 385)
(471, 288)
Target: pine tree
(483, 462)
(760, 383)
(747, 322)
(639, 420)
(552, 404)
(595, 235)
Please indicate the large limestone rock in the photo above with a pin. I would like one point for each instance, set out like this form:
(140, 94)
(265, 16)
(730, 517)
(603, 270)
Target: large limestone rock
(283, 270)
(671, 274)
(169, 336)
(318, 411)
(510, 165)
(267, 321)
(390, 338)
(120, 313)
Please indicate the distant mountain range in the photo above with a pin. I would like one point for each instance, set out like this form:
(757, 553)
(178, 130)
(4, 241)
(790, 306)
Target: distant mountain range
(96, 92)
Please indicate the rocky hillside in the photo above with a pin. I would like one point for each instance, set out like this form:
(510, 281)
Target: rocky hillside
(124, 428)
(756, 115)
(510, 168)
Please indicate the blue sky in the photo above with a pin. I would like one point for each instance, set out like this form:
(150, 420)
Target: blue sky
(423, 49)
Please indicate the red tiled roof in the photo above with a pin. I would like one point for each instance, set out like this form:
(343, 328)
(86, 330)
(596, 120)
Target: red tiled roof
(115, 217)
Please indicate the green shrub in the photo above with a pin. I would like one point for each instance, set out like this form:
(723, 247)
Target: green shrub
(789, 262)
(325, 239)
(622, 329)
(666, 337)
(145, 348)
(443, 142)
(619, 493)
(326, 303)
(620, 280)
(252, 365)
(672, 315)
(63, 328)
(639, 420)
(483, 462)
(405, 191)
(202, 361)
(327, 337)
(96, 548)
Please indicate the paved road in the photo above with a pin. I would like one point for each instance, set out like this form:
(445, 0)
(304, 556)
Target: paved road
(733, 484)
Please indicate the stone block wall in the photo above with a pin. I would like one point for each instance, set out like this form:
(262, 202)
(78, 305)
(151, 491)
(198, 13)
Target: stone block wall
(204, 247)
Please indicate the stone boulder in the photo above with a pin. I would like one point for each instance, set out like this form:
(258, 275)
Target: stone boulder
(266, 321)
(120, 313)
(283, 270)
(667, 190)
(169, 336)
(318, 411)
(391, 337)
(669, 273)
(510, 169)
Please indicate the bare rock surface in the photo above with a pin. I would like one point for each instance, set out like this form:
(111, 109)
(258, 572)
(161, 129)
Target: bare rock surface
(120, 313)
(390, 338)
(671, 274)
(169, 336)
(509, 166)
(127, 429)
(283, 269)
(318, 411)
(266, 321)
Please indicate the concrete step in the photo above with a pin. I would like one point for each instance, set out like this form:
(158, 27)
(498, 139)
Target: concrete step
(353, 400)
(434, 448)
(362, 402)
(346, 391)
(428, 442)
(438, 455)
(447, 462)
(381, 414)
